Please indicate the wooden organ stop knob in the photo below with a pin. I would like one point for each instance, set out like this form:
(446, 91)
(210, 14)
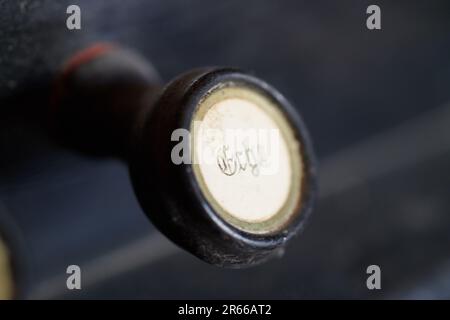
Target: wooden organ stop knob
(220, 161)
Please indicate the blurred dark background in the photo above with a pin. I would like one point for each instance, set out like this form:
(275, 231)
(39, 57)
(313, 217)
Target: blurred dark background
(377, 104)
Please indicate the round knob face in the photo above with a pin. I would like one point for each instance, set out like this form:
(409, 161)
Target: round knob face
(246, 182)
(246, 158)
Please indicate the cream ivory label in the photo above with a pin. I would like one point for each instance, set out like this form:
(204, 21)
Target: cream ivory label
(243, 159)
